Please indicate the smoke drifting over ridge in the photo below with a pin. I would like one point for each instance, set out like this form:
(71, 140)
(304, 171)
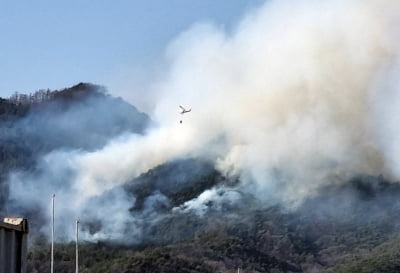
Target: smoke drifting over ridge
(293, 90)
(302, 94)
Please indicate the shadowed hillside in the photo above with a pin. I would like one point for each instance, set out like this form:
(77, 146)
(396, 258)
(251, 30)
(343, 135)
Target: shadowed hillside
(342, 229)
(81, 117)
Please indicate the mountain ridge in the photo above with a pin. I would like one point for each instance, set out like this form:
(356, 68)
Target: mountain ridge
(82, 117)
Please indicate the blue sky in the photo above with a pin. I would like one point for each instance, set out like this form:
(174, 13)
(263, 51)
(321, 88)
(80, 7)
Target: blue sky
(55, 44)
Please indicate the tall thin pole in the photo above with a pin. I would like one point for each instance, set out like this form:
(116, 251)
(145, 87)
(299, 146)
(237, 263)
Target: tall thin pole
(52, 234)
(77, 239)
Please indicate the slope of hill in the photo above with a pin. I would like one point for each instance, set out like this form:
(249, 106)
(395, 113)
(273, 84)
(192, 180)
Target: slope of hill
(340, 230)
(348, 227)
(81, 117)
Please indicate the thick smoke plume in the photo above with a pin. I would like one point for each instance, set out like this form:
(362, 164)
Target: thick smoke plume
(300, 95)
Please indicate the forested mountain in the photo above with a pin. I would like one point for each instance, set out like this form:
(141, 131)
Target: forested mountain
(184, 215)
(327, 233)
(81, 117)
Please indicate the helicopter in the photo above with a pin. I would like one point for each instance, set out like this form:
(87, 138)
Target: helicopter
(184, 111)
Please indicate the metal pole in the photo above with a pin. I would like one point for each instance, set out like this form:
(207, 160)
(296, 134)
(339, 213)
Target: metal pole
(77, 239)
(52, 235)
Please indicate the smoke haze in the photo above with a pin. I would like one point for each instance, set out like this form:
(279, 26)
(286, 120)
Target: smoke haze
(301, 95)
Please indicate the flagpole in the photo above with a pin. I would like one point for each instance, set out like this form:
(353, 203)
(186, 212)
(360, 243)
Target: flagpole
(77, 239)
(52, 234)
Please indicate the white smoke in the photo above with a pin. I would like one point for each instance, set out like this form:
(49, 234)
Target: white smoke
(290, 90)
(300, 95)
(217, 197)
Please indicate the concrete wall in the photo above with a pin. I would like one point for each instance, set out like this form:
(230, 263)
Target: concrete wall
(13, 247)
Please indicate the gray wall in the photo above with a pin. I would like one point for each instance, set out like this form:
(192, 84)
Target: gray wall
(13, 247)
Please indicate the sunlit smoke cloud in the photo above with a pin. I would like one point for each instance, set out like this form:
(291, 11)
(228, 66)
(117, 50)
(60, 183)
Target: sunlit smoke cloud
(289, 91)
